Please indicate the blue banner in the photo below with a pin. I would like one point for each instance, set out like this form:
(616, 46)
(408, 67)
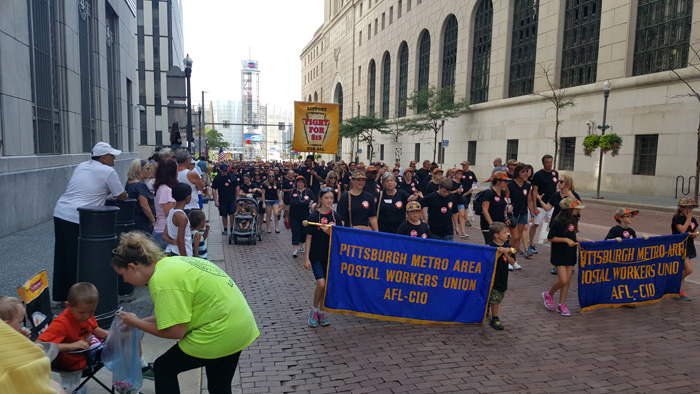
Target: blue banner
(632, 272)
(400, 278)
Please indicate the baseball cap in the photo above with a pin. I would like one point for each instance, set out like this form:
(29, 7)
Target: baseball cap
(413, 206)
(409, 169)
(103, 148)
(500, 175)
(371, 168)
(300, 178)
(223, 167)
(625, 211)
(358, 175)
(512, 162)
(435, 171)
(687, 202)
(571, 203)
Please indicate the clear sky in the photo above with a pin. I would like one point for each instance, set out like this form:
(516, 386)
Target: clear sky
(219, 33)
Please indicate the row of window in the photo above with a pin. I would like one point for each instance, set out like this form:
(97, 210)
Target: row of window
(312, 74)
(662, 39)
(391, 19)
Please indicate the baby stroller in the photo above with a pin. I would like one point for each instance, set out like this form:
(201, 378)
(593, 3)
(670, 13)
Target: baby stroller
(246, 223)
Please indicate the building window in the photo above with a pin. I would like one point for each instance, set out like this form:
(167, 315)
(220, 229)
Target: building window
(44, 77)
(360, 9)
(408, 5)
(449, 52)
(360, 40)
(581, 32)
(471, 152)
(381, 152)
(416, 154)
(113, 79)
(359, 75)
(339, 100)
(481, 62)
(523, 47)
(645, 147)
(391, 14)
(159, 137)
(157, 91)
(315, 97)
(386, 84)
(376, 26)
(372, 87)
(663, 35)
(512, 150)
(400, 7)
(423, 63)
(403, 79)
(567, 153)
(383, 20)
(369, 32)
(86, 34)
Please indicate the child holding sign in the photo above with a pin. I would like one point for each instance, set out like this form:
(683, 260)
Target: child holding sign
(504, 258)
(684, 222)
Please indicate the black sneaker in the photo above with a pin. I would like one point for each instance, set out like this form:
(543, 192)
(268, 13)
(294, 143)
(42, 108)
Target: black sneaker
(496, 324)
(147, 372)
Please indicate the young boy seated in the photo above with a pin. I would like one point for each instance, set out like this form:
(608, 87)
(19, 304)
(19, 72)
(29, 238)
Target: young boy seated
(623, 217)
(12, 312)
(414, 226)
(245, 208)
(500, 281)
(73, 330)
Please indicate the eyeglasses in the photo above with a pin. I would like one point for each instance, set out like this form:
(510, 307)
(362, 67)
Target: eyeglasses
(326, 189)
(332, 177)
(560, 181)
(522, 171)
(121, 256)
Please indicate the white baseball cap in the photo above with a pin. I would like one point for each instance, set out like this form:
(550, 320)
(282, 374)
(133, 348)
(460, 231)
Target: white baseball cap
(103, 148)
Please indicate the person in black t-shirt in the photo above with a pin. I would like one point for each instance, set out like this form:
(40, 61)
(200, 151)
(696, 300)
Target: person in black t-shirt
(356, 207)
(468, 180)
(332, 182)
(410, 183)
(371, 186)
(494, 205)
(273, 195)
(392, 204)
(225, 190)
(623, 217)
(504, 259)
(521, 201)
(544, 183)
(442, 211)
(423, 174)
(684, 222)
(414, 226)
(313, 174)
(434, 183)
(317, 244)
(300, 200)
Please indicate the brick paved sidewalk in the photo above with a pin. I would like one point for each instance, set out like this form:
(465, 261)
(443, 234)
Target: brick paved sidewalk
(646, 349)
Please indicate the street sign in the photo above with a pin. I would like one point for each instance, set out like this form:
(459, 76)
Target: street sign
(359, 151)
(445, 143)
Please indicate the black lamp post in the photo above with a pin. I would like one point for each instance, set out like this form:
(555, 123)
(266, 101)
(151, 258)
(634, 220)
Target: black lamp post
(606, 93)
(442, 140)
(188, 74)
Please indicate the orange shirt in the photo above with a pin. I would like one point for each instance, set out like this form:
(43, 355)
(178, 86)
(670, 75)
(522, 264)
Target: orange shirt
(66, 329)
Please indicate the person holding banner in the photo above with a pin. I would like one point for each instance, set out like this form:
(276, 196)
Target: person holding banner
(504, 260)
(356, 206)
(562, 235)
(684, 222)
(299, 201)
(623, 217)
(317, 243)
(441, 208)
(414, 226)
(494, 204)
(391, 207)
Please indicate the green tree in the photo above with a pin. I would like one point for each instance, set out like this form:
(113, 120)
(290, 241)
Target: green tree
(215, 140)
(398, 128)
(362, 128)
(559, 100)
(435, 106)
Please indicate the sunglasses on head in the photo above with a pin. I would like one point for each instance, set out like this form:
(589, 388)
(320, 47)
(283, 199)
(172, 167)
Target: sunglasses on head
(121, 256)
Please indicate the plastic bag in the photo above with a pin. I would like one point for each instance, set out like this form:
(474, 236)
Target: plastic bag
(121, 356)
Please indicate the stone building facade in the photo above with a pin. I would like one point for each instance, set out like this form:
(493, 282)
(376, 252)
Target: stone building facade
(497, 54)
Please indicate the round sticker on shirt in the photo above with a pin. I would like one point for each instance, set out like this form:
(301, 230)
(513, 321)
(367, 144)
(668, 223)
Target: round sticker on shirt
(324, 221)
(413, 184)
(554, 173)
(464, 177)
(497, 198)
(294, 195)
(449, 204)
(365, 204)
(692, 226)
(470, 177)
(443, 210)
(270, 187)
(306, 197)
(571, 227)
(226, 184)
(399, 204)
(424, 235)
(274, 187)
(555, 180)
(524, 192)
(414, 233)
(626, 234)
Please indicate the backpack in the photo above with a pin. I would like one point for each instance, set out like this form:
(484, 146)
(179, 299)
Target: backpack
(478, 200)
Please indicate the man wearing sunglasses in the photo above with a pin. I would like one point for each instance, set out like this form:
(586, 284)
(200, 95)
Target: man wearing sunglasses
(544, 183)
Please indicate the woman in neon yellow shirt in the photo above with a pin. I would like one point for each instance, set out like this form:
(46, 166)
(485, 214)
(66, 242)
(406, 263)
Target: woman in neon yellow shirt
(195, 302)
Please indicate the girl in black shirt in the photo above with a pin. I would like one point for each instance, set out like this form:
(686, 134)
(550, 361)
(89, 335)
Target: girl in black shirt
(299, 201)
(684, 222)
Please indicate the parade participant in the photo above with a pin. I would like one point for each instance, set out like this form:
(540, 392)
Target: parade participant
(343, 176)
(371, 185)
(352, 167)
(623, 217)
(521, 203)
(414, 226)
(356, 206)
(191, 178)
(287, 186)
(684, 222)
(225, 189)
(300, 200)
(175, 137)
(194, 302)
(200, 233)
(178, 234)
(423, 174)
(497, 166)
(494, 205)
(468, 179)
(253, 187)
(504, 259)
(92, 181)
(312, 173)
(166, 179)
(562, 235)
(565, 188)
(136, 188)
(399, 178)
(392, 204)
(332, 182)
(512, 163)
(397, 164)
(434, 183)
(442, 212)
(273, 195)
(544, 183)
(409, 183)
(317, 243)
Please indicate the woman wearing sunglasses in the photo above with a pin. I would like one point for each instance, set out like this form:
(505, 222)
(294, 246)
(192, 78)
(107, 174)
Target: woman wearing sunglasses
(332, 182)
(273, 195)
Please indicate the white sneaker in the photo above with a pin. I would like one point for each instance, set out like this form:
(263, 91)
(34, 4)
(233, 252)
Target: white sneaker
(510, 267)
(301, 249)
(516, 266)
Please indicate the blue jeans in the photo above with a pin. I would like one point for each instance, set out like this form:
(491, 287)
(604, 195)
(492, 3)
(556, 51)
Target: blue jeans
(450, 237)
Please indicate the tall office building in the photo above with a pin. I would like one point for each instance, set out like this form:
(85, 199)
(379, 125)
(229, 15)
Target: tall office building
(250, 95)
(159, 37)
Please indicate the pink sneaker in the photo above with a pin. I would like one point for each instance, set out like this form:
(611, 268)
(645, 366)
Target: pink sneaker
(548, 301)
(563, 310)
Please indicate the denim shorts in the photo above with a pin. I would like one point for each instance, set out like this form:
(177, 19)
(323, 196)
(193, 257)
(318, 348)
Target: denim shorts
(270, 203)
(460, 206)
(319, 269)
(522, 219)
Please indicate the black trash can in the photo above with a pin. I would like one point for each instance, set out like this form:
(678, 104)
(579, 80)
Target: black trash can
(98, 236)
(125, 224)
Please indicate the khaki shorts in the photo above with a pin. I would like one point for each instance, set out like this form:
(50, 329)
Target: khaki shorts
(496, 297)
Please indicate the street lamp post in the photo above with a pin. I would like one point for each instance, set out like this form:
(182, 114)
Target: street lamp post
(606, 93)
(188, 74)
(442, 140)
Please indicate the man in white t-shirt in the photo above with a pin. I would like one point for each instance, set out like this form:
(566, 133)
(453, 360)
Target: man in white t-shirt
(185, 175)
(91, 183)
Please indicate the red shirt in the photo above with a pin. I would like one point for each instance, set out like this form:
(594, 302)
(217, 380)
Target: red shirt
(66, 329)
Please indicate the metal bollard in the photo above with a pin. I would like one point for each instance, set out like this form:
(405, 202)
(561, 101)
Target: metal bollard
(125, 223)
(98, 236)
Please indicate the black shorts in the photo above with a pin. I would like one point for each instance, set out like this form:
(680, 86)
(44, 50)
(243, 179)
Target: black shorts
(227, 208)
